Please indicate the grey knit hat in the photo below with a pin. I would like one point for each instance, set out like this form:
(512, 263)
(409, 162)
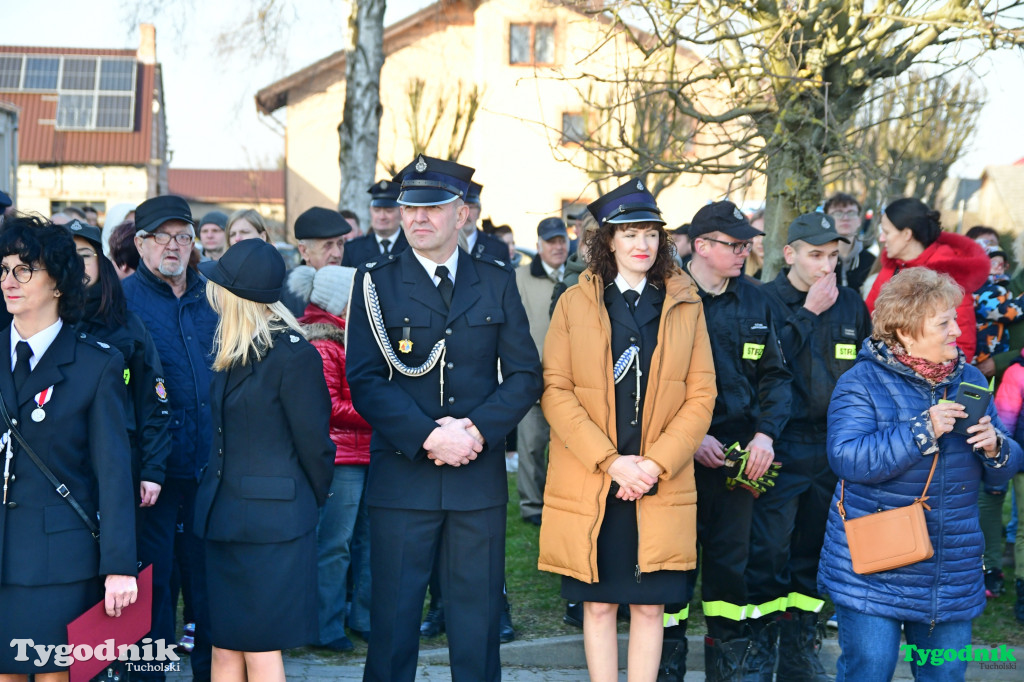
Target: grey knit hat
(328, 288)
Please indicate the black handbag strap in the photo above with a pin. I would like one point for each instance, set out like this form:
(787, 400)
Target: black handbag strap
(61, 489)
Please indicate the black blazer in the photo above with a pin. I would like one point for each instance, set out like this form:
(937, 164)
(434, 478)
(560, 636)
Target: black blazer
(272, 458)
(84, 441)
(362, 250)
(488, 245)
(485, 327)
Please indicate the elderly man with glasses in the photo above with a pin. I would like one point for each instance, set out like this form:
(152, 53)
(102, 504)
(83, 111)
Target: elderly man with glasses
(171, 300)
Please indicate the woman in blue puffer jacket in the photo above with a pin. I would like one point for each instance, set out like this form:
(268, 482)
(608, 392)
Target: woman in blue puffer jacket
(885, 425)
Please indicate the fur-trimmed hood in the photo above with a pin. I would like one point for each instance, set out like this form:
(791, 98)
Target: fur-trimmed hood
(322, 331)
(952, 254)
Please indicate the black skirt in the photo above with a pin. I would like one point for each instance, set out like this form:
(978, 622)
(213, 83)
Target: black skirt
(617, 547)
(41, 613)
(263, 597)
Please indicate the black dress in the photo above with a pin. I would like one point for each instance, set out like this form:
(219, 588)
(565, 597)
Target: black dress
(619, 579)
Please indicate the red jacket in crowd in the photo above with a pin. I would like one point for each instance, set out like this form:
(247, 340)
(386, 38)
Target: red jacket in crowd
(349, 431)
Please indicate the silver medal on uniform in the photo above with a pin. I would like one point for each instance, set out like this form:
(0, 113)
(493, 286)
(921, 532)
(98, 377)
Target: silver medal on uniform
(38, 414)
(41, 398)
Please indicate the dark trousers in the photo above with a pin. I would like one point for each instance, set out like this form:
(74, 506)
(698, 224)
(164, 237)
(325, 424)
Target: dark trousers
(788, 530)
(157, 548)
(403, 544)
(723, 530)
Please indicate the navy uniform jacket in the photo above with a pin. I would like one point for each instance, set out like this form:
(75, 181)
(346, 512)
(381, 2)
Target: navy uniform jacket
(489, 246)
(818, 349)
(272, 458)
(485, 327)
(365, 249)
(84, 441)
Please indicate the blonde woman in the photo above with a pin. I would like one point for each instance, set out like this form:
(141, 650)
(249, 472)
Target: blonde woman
(244, 224)
(270, 469)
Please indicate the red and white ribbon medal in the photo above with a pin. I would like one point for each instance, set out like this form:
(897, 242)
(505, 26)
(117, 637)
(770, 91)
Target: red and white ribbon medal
(43, 397)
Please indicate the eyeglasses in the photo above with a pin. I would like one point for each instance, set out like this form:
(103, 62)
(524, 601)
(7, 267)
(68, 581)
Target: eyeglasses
(22, 273)
(845, 214)
(163, 239)
(737, 247)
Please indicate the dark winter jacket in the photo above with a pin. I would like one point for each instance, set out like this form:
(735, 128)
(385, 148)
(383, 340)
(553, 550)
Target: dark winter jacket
(574, 267)
(880, 441)
(182, 329)
(818, 349)
(349, 431)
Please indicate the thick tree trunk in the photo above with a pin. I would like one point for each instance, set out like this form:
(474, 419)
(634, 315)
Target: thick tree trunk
(359, 130)
(794, 187)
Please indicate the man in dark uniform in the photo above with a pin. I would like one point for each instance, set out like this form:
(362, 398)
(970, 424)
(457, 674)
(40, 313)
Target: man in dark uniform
(479, 242)
(751, 409)
(423, 368)
(385, 235)
(821, 326)
(321, 234)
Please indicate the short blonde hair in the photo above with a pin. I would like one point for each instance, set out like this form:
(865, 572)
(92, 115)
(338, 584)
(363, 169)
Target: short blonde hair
(908, 299)
(245, 327)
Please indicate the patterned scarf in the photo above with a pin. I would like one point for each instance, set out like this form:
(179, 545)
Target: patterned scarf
(934, 372)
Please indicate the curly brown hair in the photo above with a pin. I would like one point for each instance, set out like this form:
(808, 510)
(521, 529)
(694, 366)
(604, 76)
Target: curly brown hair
(601, 259)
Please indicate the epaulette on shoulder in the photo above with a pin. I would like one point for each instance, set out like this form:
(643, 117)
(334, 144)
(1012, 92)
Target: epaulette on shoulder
(91, 340)
(490, 260)
(378, 262)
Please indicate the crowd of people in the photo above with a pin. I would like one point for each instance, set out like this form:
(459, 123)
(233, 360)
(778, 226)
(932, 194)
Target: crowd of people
(302, 454)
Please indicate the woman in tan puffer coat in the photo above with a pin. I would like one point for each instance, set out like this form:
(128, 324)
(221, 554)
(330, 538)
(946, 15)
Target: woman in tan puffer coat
(629, 388)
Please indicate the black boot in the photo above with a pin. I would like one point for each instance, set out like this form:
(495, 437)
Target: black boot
(760, 662)
(800, 638)
(723, 661)
(673, 654)
(506, 633)
(1018, 609)
(433, 624)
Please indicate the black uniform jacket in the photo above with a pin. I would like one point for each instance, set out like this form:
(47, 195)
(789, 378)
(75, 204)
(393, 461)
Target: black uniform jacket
(272, 458)
(489, 246)
(149, 415)
(84, 440)
(485, 330)
(365, 249)
(754, 393)
(818, 349)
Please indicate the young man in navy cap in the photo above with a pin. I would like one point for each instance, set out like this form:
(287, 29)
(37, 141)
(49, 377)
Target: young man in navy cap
(385, 235)
(423, 366)
(479, 242)
(171, 300)
(321, 235)
(821, 326)
(751, 409)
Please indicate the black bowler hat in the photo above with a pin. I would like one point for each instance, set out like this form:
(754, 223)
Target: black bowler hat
(320, 223)
(473, 195)
(815, 229)
(152, 213)
(90, 233)
(385, 193)
(724, 217)
(431, 182)
(251, 269)
(629, 203)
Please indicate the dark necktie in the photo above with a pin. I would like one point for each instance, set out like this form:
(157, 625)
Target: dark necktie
(385, 246)
(446, 287)
(631, 297)
(21, 367)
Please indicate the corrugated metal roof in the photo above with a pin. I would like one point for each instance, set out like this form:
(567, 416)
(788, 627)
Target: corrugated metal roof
(40, 142)
(227, 186)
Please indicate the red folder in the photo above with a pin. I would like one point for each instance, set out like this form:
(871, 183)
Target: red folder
(94, 627)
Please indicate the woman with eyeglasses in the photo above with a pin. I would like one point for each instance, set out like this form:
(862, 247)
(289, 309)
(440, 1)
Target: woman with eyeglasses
(106, 317)
(64, 392)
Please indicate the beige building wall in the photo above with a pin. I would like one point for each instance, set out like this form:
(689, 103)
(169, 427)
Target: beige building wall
(38, 186)
(515, 142)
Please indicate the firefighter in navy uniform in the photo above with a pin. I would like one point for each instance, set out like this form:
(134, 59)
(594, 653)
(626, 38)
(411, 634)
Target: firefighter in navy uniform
(821, 326)
(478, 242)
(428, 332)
(751, 409)
(385, 235)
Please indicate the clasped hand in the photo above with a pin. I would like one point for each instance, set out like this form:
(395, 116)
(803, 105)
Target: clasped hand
(635, 476)
(711, 454)
(454, 442)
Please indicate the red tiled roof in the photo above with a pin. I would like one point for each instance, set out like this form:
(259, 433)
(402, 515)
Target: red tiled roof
(40, 142)
(220, 186)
